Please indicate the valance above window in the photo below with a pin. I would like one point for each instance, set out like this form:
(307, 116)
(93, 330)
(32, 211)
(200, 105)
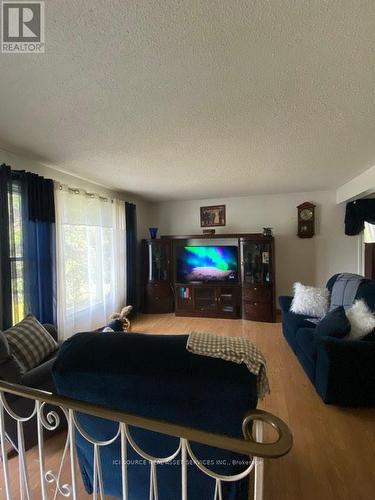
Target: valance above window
(357, 213)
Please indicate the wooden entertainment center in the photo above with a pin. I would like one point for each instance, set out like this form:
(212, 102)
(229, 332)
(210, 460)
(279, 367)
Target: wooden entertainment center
(251, 297)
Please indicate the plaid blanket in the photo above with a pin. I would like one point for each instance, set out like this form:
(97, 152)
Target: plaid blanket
(236, 349)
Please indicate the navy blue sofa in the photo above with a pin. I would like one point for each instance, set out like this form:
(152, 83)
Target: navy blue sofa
(342, 371)
(155, 376)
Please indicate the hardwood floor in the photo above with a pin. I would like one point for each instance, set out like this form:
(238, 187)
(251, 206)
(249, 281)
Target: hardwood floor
(333, 455)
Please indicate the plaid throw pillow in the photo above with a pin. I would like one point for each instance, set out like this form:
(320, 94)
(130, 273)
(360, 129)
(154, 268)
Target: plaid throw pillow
(30, 342)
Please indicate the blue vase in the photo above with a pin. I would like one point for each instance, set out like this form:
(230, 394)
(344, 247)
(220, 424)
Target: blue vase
(153, 232)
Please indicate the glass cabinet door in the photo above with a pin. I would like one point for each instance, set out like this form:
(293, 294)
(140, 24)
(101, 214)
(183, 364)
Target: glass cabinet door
(158, 261)
(205, 298)
(256, 262)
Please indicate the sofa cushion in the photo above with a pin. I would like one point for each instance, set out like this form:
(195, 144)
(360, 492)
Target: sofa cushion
(306, 340)
(334, 324)
(292, 323)
(370, 337)
(306, 350)
(30, 342)
(40, 377)
(285, 302)
(345, 371)
(366, 291)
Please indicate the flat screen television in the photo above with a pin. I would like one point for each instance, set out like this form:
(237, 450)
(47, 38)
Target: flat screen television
(207, 264)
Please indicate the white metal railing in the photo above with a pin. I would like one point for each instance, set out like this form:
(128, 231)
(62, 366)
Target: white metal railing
(251, 446)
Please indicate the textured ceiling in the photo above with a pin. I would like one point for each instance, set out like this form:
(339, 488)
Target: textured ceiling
(196, 99)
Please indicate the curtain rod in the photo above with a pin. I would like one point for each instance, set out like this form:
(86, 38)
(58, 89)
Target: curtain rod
(61, 186)
(75, 190)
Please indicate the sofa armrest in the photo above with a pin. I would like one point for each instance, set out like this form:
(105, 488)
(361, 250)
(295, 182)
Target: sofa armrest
(11, 370)
(285, 302)
(52, 330)
(40, 377)
(345, 371)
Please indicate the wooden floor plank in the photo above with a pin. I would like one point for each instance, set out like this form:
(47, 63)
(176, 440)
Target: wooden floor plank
(333, 455)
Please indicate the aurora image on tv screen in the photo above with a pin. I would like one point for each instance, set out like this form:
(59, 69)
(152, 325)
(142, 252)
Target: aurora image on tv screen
(207, 263)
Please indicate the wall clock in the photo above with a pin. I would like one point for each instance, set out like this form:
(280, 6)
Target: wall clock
(306, 220)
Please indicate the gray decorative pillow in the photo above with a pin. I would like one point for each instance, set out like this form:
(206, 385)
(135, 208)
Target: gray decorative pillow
(4, 348)
(30, 342)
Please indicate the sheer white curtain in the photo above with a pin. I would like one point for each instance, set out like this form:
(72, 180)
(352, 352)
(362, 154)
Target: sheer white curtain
(90, 252)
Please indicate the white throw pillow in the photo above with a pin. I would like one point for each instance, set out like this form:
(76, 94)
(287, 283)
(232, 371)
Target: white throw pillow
(310, 300)
(362, 320)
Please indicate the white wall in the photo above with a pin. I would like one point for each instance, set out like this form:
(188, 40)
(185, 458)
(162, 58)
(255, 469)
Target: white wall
(18, 162)
(311, 261)
(359, 187)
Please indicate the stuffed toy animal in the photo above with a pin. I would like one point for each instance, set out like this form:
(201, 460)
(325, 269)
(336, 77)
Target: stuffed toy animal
(121, 319)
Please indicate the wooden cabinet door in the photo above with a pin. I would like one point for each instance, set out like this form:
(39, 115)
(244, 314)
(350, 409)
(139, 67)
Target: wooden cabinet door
(158, 298)
(205, 299)
(227, 301)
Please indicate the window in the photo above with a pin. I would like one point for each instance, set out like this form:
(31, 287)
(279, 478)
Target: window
(16, 254)
(90, 260)
(88, 265)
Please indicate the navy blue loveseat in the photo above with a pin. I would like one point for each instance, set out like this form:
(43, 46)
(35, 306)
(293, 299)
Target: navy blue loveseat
(342, 371)
(155, 376)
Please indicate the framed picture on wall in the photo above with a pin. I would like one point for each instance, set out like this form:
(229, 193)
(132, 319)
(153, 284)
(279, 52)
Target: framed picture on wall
(213, 216)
